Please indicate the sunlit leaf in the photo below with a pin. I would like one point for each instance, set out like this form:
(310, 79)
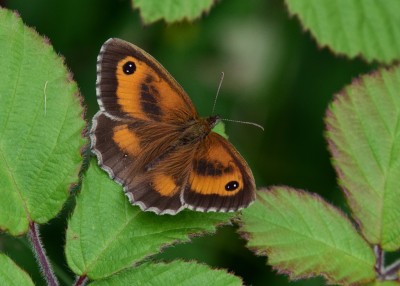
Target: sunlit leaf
(363, 130)
(11, 274)
(40, 127)
(383, 283)
(171, 10)
(220, 129)
(368, 28)
(174, 273)
(304, 236)
(106, 233)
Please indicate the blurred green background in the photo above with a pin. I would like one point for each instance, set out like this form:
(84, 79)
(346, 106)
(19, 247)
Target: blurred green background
(275, 75)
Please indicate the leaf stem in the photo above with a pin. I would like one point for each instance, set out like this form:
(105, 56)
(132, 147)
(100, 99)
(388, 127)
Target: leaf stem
(380, 260)
(389, 273)
(40, 254)
(81, 281)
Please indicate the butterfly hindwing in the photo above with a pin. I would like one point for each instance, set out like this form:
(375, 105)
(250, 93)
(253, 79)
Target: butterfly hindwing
(138, 155)
(220, 179)
(159, 189)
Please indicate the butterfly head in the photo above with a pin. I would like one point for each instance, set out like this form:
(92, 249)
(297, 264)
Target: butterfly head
(212, 121)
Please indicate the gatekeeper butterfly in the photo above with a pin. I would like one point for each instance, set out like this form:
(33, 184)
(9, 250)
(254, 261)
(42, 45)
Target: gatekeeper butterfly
(149, 138)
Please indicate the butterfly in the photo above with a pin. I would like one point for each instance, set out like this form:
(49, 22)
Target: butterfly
(149, 138)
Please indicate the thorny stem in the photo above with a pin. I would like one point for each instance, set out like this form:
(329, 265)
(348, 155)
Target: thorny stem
(385, 273)
(392, 271)
(81, 281)
(40, 254)
(380, 260)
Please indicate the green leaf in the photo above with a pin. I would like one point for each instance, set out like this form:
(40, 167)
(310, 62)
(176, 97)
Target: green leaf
(106, 233)
(363, 130)
(368, 28)
(305, 236)
(174, 273)
(171, 10)
(384, 283)
(11, 274)
(40, 127)
(220, 129)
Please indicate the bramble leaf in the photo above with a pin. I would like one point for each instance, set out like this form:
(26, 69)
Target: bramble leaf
(11, 274)
(107, 234)
(174, 273)
(363, 131)
(40, 127)
(383, 283)
(368, 28)
(304, 236)
(171, 10)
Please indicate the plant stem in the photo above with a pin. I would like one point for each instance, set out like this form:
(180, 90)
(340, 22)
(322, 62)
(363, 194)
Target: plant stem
(380, 260)
(40, 254)
(81, 280)
(391, 272)
(384, 273)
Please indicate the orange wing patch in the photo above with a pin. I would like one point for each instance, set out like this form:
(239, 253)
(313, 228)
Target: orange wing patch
(126, 140)
(214, 171)
(165, 185)
(143, 94)
(220, 179)
(128, 89)
(210, 177)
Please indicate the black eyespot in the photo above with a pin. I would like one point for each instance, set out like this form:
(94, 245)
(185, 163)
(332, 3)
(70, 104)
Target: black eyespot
(231, 186)
(129, 67)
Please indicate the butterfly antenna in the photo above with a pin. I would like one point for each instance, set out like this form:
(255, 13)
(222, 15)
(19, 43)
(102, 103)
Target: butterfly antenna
(244, 122)
(219, 87)
(230, 120)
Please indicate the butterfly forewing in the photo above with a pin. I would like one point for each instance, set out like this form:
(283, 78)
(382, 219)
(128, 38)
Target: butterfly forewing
(132, 84)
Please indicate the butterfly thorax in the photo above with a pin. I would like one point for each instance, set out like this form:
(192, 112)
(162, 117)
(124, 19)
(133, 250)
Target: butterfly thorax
(198, 129)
